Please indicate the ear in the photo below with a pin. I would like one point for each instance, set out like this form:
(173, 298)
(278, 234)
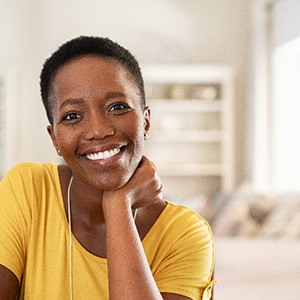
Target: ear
(52, 136)
(147, 120)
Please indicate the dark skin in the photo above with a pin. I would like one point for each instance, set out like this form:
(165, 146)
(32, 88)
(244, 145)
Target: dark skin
(97, 108)
(9, 284)
(86, 232)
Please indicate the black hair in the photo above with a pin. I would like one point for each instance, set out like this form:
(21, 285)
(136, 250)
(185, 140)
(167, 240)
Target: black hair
(87, 45)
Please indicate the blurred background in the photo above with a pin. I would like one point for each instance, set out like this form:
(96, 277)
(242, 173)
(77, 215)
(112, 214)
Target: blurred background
(222, 79)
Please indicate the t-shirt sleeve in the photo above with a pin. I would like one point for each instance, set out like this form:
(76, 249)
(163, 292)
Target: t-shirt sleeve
(14, 221)
(187, 269)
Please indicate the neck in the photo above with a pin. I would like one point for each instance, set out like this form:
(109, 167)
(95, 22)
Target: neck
(86, 202)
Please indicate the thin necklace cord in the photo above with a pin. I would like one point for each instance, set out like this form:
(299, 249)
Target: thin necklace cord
(71, 239)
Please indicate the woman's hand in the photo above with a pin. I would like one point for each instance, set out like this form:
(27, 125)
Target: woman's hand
(144, 187)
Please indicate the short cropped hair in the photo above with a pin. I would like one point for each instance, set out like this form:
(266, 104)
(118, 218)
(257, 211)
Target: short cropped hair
(87, 45)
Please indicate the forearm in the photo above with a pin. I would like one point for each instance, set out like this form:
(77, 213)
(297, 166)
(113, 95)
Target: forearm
(9, 284)
(129, 274)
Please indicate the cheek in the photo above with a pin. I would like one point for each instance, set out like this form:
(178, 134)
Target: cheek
(65, 141)
(136, 130)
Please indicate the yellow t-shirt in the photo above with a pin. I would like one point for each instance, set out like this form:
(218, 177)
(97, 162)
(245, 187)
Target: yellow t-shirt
(34, 243)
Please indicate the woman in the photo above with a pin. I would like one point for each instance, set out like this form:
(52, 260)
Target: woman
(126, 242)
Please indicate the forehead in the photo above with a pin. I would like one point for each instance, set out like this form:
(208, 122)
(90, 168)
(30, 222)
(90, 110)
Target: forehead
(92, 67)
(89, 75)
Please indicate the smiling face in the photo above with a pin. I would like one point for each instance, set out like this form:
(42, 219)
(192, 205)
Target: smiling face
(98, 121)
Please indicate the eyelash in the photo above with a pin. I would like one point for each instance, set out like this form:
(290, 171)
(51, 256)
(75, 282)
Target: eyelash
(70, 116)
(116, 108)
(121, 107)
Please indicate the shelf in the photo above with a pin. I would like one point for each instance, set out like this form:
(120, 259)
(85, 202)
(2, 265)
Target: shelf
(189, 169)
(185, 105)
(191, 137)
(186, 136)
(177, 73)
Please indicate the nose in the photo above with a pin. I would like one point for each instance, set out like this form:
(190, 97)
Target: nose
(98, 127)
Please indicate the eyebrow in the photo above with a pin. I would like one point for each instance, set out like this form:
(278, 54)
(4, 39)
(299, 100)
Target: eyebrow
(71, 101)
(110, 95)
(79, 101)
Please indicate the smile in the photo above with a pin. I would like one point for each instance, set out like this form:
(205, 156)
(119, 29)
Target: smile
(103, 154)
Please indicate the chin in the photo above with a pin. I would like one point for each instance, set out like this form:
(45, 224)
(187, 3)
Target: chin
(113, 183)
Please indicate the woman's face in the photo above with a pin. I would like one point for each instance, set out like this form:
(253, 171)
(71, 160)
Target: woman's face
(98, 121)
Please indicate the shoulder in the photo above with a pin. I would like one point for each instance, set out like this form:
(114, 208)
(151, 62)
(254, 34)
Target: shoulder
(182, 252)
(180, 224)
(188, 228)
(28, 174)
(185, 216)
(26, 184)
(30, 169)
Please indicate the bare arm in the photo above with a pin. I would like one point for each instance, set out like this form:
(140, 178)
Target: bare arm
(9, 284)
(129, 274)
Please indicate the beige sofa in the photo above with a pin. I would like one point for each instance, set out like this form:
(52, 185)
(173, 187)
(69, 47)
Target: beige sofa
(257, 269)
(257, 242)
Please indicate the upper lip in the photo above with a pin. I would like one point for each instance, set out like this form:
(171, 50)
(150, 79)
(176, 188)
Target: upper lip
(100, 148)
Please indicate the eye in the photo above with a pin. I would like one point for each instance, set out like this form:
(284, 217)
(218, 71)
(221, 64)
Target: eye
(72, 116)
(119, 108)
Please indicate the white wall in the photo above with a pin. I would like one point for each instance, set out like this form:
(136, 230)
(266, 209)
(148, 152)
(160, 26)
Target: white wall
(156, 31)
(286, 105)
(286, 21)
(286, 121)
(16, 53)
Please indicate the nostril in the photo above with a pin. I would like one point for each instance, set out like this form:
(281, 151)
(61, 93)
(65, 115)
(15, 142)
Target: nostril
(98, 133)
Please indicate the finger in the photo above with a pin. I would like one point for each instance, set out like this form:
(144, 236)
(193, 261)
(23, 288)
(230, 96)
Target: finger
(146, 159)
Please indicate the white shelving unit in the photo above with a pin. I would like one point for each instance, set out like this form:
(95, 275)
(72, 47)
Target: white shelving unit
(192, 129)
(8, 120)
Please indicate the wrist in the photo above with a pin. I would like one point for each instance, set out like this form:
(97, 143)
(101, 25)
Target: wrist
(114, 204)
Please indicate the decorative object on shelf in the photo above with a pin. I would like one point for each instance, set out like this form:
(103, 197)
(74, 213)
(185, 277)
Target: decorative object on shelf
(178, 91)
(205, 92)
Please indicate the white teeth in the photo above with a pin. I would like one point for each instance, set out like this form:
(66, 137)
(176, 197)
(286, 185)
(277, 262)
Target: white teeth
(103, 155)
